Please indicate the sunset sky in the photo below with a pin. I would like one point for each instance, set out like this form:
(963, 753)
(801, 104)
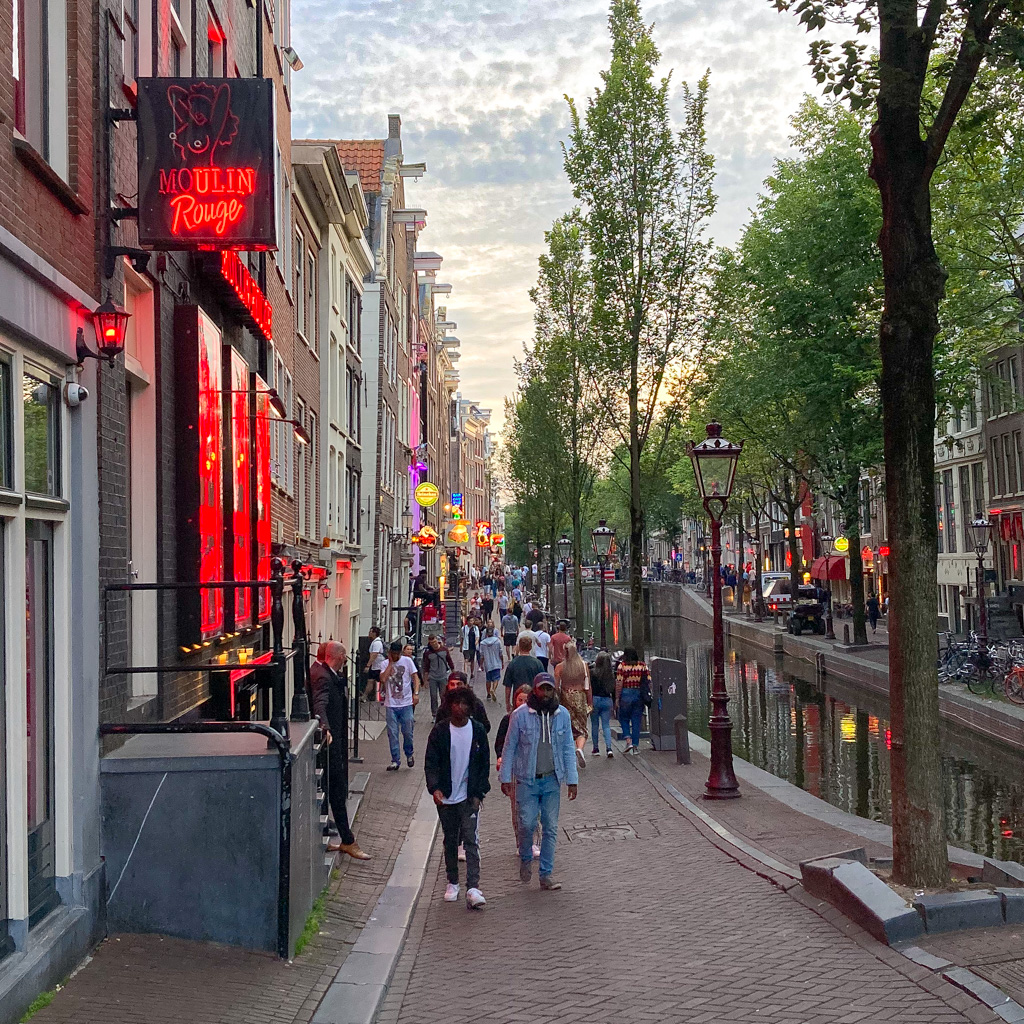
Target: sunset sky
(481, 88)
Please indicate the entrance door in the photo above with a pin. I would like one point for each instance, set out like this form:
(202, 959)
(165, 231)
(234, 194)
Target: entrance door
(42, 892)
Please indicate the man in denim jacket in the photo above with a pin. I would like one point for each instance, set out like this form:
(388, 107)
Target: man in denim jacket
(538, 758)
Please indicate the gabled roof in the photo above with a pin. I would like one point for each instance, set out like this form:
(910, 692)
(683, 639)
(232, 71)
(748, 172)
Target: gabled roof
(366, 157)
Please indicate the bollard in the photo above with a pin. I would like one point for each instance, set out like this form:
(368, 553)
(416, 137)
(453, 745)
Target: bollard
(846, 635)
(682, 740)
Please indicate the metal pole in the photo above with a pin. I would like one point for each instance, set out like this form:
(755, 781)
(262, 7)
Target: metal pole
(830, 633)
(604, 643)
(721, 784)
(353, 692)
(982, 610)
(300, 692)
(565, 588)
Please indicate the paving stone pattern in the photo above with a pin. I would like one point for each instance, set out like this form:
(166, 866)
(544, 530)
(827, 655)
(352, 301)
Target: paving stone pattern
(146, 979)
(996, 954)
(665, 928)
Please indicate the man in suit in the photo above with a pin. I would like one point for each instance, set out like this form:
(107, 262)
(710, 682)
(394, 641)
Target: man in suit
(329, 695)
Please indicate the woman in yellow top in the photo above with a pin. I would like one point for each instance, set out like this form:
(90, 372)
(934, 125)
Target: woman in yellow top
(573, 681)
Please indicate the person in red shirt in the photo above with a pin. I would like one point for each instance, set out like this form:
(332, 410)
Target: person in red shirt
(556, 646)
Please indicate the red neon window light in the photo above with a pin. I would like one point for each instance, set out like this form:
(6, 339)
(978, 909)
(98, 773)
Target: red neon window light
(211, 506)
(263, 531)
(241, 511)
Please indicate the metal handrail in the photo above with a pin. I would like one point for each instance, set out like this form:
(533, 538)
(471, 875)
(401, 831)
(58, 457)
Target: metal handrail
(285, 757)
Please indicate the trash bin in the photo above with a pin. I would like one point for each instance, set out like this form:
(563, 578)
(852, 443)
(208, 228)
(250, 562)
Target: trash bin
(668, 708)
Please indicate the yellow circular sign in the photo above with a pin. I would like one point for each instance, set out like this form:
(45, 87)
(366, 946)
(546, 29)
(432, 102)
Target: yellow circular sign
(426, 494)
(842, 545)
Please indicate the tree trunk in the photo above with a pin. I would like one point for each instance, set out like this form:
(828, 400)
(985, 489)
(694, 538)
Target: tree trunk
(794, 551)
(636, 526)
(914, 285)
(860, 633)
(577, 570)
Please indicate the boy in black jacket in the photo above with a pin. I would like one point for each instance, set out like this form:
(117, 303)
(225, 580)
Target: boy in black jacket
(457, 768)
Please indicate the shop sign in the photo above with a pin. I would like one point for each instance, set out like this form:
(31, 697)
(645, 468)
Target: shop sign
(483, 533)
(842, 544)
(206, 163)
(458, 535)
(457, 505)
(426, 494)
(426, 538)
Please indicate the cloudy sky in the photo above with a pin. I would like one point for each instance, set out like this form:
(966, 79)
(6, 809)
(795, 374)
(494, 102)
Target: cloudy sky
(480, 86)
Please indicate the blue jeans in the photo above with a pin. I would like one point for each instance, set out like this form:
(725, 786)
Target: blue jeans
(601, 717)
(540, 796)
(631, 713)
(400, 718)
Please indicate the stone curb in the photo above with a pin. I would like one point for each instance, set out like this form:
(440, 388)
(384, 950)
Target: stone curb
(360, 985)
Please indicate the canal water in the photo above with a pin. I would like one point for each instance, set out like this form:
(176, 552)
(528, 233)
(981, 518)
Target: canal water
(833, 740)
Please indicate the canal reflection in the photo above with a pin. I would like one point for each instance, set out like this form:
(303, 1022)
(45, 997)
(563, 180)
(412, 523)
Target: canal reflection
(833, 740)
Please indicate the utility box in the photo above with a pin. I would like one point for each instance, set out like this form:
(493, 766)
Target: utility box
(669, 706)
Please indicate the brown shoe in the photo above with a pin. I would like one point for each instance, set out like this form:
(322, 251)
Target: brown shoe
(349, 849)
(547, 882)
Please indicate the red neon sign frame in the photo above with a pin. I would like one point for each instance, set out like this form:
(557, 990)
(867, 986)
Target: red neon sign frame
(261, 450)
(235, 272)
(241, 504)
(211, 478)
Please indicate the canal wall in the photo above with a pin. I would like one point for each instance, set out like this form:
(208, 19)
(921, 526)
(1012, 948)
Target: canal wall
(820, 659)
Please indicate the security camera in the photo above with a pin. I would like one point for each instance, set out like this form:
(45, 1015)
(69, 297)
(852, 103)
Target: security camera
(367, 586)
(74, 395)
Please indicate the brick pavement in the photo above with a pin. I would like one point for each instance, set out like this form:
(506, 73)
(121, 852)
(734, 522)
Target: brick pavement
(147, 979)
(662, 926)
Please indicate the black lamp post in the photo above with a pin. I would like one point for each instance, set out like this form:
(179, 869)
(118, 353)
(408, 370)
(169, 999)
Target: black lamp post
(827, 541)
(714, 466)
(603, 536)
(550, 573)
(981, 529)
(564, 544)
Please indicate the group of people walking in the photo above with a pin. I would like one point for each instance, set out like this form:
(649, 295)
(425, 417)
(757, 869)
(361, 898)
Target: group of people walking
(554, 701)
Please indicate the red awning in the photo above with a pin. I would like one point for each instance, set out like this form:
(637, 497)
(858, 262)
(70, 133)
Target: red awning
(836, 568)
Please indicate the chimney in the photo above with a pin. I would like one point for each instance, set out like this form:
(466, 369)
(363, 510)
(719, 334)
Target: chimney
(394, 126)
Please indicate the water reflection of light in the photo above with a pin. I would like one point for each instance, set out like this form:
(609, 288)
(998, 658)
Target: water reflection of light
(848, 728)
(873, 727)
(615, 627)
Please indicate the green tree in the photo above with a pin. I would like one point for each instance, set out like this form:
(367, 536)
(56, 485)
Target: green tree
(646, 194)
(908, 140)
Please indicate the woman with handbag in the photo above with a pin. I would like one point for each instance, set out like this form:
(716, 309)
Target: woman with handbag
(572, 678)
(632, 696)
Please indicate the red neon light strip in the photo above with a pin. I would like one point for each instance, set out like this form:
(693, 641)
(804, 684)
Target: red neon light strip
(211, 505)
(263, 528)
(248, 291)
(242, 499)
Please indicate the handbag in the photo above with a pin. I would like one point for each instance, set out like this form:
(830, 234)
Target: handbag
(645, 689)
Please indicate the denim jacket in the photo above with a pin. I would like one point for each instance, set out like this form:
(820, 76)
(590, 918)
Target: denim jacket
(519, 755)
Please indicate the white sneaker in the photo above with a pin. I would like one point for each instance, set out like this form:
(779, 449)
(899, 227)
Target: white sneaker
(462, 853)
(581, 758)
(451, 894)
(474, 899)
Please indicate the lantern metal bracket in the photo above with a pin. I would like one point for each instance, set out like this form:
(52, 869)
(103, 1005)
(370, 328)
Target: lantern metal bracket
(83, 352)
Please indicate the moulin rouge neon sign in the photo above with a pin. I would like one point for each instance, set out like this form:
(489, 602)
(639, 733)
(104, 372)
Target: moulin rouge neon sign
(206, 163)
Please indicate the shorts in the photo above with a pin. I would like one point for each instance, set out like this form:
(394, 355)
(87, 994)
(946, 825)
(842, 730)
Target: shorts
(510, 639)
(493, 675)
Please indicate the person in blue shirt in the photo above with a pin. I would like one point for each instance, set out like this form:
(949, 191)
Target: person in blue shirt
(538, 758)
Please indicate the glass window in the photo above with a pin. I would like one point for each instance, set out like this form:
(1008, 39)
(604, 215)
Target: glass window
(1013, 379)
(947, 489)
(1018, 454)
(1011, 465)
(311, 301)
(42, 896)
(42, 443)
(299, 293)
(967, 510)
(938, 512)
(6, 427)
(997, 478)
(130, 46)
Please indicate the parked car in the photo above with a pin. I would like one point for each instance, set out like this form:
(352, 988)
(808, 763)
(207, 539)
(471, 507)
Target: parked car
(807, 612)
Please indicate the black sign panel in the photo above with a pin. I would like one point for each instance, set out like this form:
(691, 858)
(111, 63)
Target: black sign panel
(206, 163)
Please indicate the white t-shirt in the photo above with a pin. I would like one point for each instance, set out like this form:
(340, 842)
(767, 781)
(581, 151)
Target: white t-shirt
(399, 685)
(462, 744)
(377, 659)
(540, 644)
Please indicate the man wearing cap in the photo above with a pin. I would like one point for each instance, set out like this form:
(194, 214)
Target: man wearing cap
(538, 758)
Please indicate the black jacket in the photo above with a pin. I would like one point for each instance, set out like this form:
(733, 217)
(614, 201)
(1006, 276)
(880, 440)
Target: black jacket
(437, 765)
(499, 736)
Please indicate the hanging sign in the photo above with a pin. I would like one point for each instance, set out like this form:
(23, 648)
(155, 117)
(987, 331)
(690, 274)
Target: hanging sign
(842, 545)
(457, 505)
(206, 163)
(458, 535)
(426, 494)
(426, 538)
(483, 533)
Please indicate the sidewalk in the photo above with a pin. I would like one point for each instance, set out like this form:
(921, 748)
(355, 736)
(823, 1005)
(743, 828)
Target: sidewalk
(659, 920)
(146, 979)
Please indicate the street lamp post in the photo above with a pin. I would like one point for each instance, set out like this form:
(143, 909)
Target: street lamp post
(714, 466)
(981, 529)
(603, 536)
(827, 541)
(564, 544)
(550, 574)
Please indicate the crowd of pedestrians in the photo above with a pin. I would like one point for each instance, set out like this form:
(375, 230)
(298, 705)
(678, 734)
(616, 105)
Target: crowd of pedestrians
(555, 701)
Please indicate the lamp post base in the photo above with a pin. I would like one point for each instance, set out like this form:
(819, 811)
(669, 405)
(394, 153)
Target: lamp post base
(721, 784)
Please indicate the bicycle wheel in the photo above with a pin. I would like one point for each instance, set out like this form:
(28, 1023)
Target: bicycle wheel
(1013, 684)
(980, 678)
